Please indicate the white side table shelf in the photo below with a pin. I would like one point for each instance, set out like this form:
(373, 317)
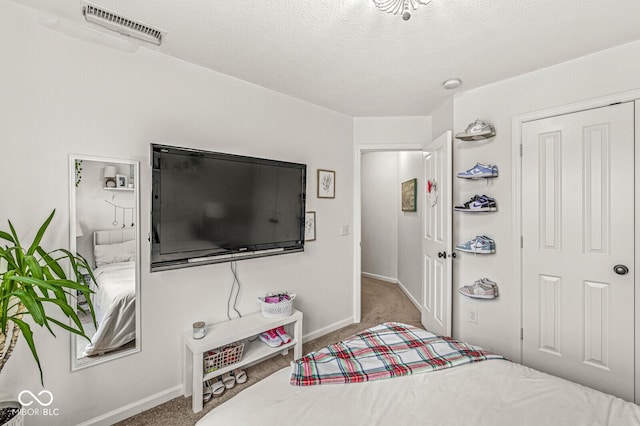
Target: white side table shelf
(222, 334)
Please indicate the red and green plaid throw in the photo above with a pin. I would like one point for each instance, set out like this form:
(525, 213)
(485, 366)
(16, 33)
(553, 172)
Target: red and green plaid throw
(387, 350)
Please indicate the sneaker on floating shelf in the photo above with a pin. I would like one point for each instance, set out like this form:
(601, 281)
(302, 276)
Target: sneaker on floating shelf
(480, 171)
(480, 244)
(484, 288)
(491, 283)
(270, 338)
(478, 203)
(477, 130)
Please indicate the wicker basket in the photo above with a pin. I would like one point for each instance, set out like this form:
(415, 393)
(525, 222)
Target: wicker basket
(221, 357)
(277, 310)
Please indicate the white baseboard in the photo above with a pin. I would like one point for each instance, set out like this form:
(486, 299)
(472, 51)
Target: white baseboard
(328, 329)
(134, 408)
(410, 296)
(380, 277)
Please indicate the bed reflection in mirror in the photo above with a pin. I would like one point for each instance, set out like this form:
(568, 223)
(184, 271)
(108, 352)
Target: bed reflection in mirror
(104, 216)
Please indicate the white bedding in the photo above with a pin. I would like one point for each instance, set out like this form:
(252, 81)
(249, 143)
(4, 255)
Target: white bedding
(115, 306)
(491, 393)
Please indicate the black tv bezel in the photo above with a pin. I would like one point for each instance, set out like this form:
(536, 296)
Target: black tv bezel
(239, 253)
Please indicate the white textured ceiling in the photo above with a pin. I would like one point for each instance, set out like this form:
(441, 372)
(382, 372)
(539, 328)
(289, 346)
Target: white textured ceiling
(348, 56)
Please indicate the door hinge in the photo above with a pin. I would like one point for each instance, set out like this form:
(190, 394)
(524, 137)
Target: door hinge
(522, 334)
(520, 150)
(521, 241)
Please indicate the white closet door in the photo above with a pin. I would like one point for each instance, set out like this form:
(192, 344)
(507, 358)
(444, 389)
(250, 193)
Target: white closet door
(437, 238)
(578, 238)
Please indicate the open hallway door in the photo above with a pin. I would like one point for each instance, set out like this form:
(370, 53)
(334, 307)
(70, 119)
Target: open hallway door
(436, 237)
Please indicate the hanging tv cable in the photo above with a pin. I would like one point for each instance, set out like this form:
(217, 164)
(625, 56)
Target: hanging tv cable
(234, 271)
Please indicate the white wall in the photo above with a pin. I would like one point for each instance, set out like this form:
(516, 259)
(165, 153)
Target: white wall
(607, 72)
(392, 130)
(442, 118)
(380, 195)
(62, 95)
(410, 227)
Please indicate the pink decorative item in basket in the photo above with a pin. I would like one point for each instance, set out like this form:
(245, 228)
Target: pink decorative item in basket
(277, 306)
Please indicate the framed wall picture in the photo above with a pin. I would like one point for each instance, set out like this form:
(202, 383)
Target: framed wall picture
(121, 181)
(326, 184)
(409, 193)
(310, 226)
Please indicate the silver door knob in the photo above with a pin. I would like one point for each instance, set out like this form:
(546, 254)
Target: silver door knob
(621, 270)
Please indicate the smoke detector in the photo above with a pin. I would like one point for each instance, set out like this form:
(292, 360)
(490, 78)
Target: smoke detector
(122, 24)
(452, 83)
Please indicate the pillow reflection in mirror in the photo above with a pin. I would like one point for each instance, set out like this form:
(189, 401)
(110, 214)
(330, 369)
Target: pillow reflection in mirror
(113, 253)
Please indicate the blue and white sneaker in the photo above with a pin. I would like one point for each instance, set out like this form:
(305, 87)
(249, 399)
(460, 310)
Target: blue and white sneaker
(480, 171)
(480, 244)
(478, 203)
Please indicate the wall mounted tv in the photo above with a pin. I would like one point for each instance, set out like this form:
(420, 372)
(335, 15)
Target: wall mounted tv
(210, 207)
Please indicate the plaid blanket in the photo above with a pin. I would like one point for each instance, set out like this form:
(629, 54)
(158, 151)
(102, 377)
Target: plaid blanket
(387, 350)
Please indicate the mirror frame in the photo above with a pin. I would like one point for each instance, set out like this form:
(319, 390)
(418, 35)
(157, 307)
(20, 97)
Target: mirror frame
(73, 248)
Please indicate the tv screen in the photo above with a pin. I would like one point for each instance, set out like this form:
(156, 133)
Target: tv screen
(210, 207)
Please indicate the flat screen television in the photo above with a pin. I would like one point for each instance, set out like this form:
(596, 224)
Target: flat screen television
(210, 207)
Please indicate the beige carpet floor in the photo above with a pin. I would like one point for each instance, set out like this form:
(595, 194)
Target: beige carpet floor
(381, 302)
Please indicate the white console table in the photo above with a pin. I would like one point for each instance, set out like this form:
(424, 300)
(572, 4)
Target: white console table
(224, 333)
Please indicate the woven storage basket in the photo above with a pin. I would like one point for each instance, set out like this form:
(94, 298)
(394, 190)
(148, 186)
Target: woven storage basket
(221, 357)
(277, 310)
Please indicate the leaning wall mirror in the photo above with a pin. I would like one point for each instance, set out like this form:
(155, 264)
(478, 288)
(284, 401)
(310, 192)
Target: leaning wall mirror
(104, 228)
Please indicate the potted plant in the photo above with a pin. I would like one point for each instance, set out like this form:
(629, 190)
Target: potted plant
(33, 283)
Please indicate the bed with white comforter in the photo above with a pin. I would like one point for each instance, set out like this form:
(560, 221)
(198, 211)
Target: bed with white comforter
(115, 306)
(490, 392)
(114, 299)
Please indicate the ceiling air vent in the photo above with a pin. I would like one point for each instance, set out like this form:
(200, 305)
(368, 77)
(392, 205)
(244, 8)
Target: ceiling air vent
(122, 24)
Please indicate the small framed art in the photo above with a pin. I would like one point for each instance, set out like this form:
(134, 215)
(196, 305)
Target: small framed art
(121, 181)
(409, 189)
(326, 184)
(310, 226)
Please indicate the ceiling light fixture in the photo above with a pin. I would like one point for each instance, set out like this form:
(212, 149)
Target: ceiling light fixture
(397, 6)
(452, 83)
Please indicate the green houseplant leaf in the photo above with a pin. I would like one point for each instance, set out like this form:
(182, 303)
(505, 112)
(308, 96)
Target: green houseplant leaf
(33, 283)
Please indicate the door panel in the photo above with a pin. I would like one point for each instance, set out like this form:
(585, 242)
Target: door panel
(437, 208)
(578, 222)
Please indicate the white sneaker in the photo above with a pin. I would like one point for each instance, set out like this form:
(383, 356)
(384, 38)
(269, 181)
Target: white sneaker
(477, 130)
(484, 288)
(487, 281)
